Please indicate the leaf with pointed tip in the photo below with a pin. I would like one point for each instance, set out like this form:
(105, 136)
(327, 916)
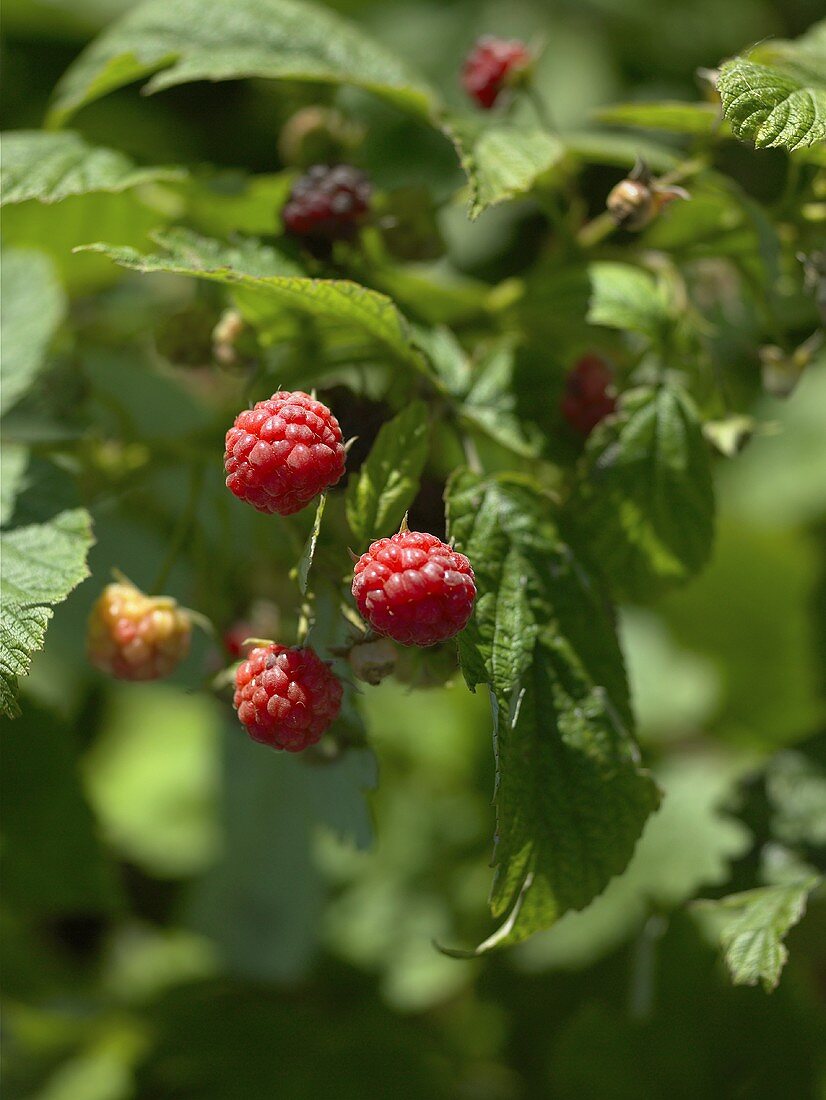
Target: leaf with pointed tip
(674, 117)
(306, 560)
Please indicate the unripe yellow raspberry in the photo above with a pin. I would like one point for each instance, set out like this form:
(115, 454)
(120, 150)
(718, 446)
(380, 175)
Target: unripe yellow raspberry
(133, 636)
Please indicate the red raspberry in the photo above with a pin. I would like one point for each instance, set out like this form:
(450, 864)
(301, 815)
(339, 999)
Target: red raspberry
(283, 452)
(286, 697)
(587, 399)
(414, 588)
(136, 637)
(327, 203)
(493, 64)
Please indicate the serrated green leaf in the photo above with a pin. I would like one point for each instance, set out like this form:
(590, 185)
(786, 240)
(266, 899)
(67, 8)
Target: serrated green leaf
(502, 160)
(266, 282)
(627, 297)
(389, 479)
(645, 501)
(276, 39)
(796, 789)
(49, 167)
(675, 117)
(42, 563)
(754, 926)
(775, 95)
(571, 796)
(306, 559)
(490, 405)
(32, 305)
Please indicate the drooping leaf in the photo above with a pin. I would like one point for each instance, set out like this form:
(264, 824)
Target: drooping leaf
(172, 42)
(33, 305)
(50, 167)
(571, 796)
(645, 501)
(307, 555)
(674, 117)
(775, 94)
(502, 160)
(754, 926)
(266, 282)
(42, 563)
(388, 481)
(627, 297)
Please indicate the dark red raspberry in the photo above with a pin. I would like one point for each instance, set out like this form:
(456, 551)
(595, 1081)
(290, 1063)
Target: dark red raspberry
(494, 64)
(414, 588)
(327, 203)
(588, 396)
(283, 452)
(286, 697)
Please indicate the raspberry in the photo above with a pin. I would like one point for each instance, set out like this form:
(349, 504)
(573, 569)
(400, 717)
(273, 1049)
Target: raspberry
(283, 452)
(492, 65)
(137, 637)
(286, 697)
(327, 203)
(587, 399)
(414, 588)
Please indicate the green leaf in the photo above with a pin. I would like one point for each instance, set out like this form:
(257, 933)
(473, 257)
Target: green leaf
(14, 458)
(675, 117)
(306, 560)
(490, 406)
(645, 500)
(42, 563)
(796, 789)
(49, 167)
(620, 150)
(571, 796)
(502, 160)
(754, 926)
(265, 284)
(276, 39)
(33, 306)
(379, 496)
(627, 297)
(775, 95)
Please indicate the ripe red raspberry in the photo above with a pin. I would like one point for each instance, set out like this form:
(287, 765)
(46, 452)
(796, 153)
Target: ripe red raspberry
(327, 203)
(283, 452)
(588, 396)
(137, 637)
(414, 588)
(494, 64)
(286, 697)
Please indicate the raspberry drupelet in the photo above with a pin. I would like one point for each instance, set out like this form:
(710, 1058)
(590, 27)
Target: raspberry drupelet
(327, 203)
(286, 697)
(414, 588)
(132, 636)
(492, 65)
(283, 452)
(588, 396)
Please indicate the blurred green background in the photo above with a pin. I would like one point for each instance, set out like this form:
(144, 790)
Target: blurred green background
(185, 918)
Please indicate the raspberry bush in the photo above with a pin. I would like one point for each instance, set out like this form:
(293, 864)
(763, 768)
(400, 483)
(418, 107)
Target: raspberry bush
(421, 409)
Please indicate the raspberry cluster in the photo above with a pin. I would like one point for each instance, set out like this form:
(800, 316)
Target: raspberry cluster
(414, 588)
(327, 203)
(492, 65)
(132, 636)
(286, 697)
(589, 395)
(283, 452)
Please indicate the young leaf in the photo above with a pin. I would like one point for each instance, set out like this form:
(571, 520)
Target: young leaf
(50, 167)
(645, 501)
(265, 282)
(571, 796)
(775, 95)
(276, 39)
(674, 117)
(627, 297)
(42, 563)
(306, 560)
(33, 305)
(385, 486)
(502, 160)
(755, 925)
